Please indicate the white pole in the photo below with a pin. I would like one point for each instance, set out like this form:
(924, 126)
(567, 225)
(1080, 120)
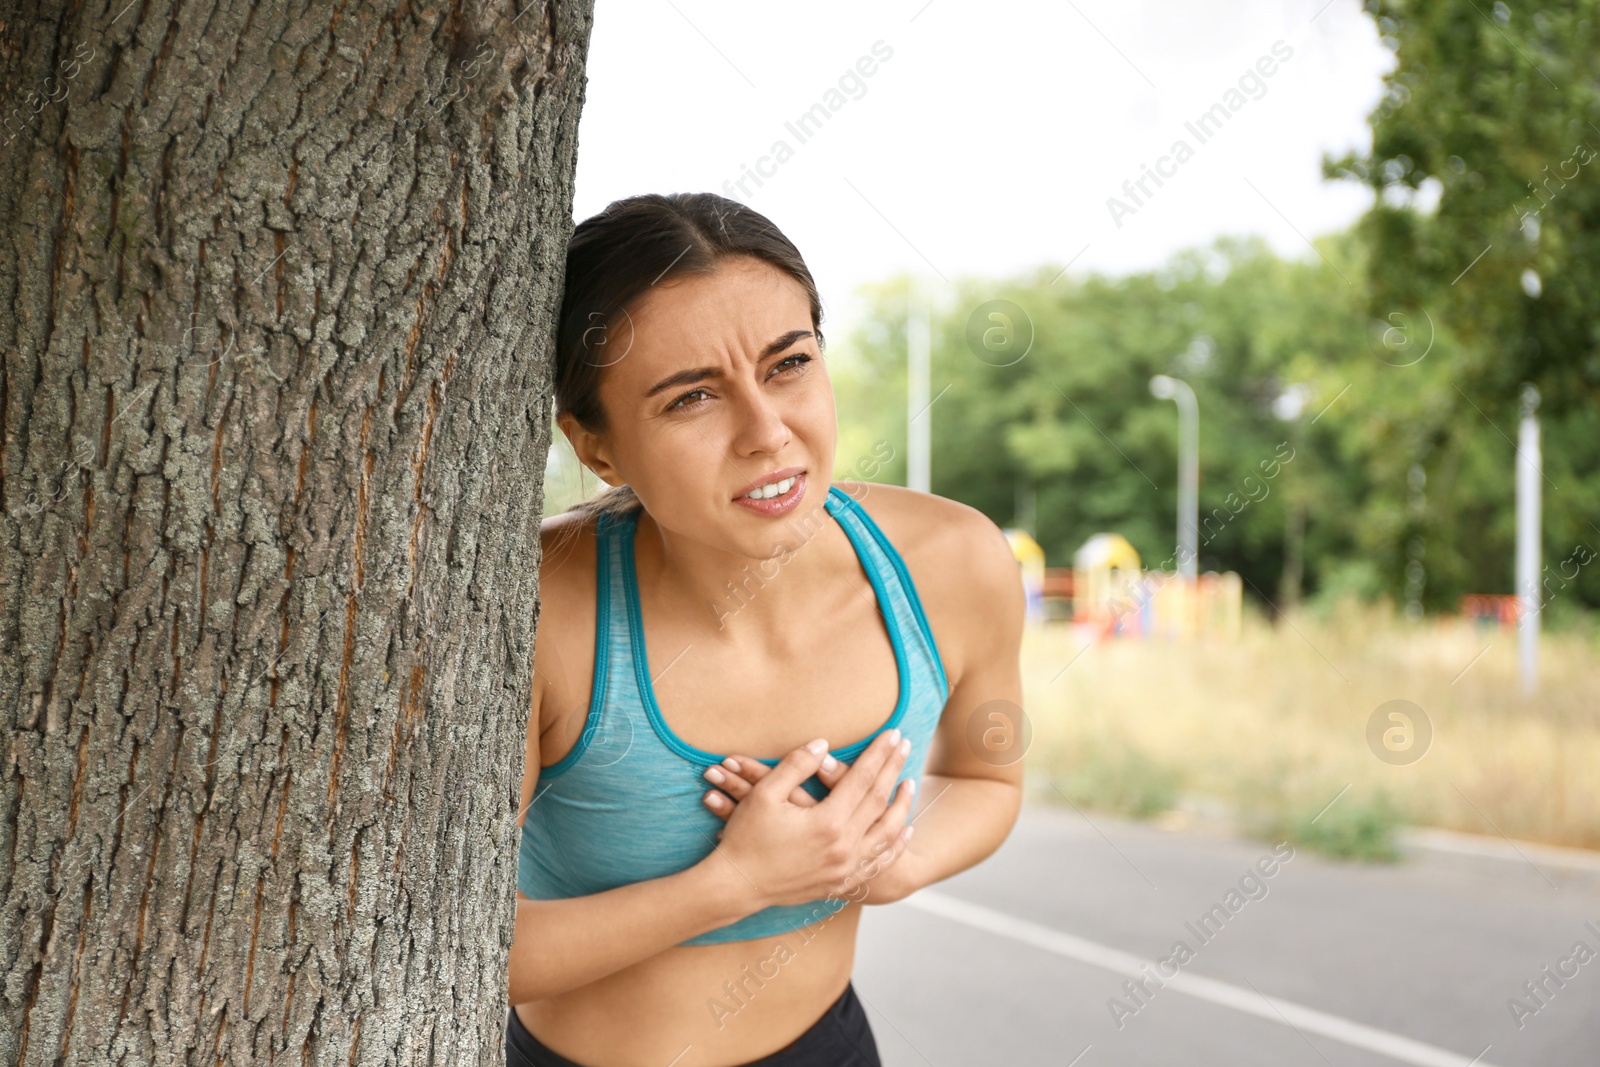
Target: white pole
(1529, 472)
(918, 418)
(1189, 485)
(1178, 391)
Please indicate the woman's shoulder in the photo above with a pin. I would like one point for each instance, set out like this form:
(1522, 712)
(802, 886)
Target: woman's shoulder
(960, 561)
(568, 549)
(567, 555)
(563, 654)
(933, 528)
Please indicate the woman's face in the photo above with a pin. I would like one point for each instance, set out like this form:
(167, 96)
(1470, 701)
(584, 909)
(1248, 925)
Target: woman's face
(722, 385)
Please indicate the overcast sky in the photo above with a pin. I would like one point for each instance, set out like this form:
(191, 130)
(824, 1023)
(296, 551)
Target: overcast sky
(984, 138)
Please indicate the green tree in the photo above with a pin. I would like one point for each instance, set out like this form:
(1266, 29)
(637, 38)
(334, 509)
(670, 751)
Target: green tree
(1071, 425)
(1485, 166)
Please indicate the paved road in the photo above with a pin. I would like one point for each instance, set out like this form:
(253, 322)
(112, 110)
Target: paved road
(1014, 962)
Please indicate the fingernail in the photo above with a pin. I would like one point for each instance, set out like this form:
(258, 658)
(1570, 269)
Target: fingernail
(909, 831)
(713, 774)
(911, 786)
(894, 735)
(905, 746)
(731, 763)
(714, 798)
(829, 763)
(819, 746)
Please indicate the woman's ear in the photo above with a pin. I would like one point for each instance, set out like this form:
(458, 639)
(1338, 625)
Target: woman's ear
(590, 449)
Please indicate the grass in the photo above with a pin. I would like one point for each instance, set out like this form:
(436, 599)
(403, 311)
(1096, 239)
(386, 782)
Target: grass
(1116, 776)
(1274, 725)
(1350, 825)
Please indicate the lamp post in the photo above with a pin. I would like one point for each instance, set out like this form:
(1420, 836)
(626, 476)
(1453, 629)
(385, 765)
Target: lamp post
(1176, 389)
(1529, 470)
(918, 418)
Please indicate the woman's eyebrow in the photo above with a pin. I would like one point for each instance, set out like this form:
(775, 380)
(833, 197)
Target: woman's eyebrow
(784, 342)
(696, 374)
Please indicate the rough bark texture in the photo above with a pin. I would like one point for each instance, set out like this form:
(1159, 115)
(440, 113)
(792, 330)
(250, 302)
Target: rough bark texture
(279, 292)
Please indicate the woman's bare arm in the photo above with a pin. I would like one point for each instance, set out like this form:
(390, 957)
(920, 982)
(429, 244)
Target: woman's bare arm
(801, 853)
(977, 752)
(559, 945)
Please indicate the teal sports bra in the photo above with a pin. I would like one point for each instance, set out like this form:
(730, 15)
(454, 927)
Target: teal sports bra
(625, 804)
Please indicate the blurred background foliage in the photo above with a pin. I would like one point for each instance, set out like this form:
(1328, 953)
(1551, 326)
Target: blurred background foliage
(1388, 361)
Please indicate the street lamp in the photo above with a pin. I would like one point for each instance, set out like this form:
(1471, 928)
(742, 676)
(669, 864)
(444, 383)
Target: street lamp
(918, 419)
(1530, 468)
(1163, 387)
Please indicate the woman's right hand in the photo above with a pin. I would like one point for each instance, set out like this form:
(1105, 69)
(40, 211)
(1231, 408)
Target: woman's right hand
(790, 854)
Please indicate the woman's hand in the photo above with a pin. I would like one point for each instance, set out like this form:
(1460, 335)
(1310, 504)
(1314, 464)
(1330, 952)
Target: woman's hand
(736, 775)
(795, 851)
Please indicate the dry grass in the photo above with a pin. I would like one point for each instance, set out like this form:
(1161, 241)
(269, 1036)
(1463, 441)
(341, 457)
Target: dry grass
(1275, 725)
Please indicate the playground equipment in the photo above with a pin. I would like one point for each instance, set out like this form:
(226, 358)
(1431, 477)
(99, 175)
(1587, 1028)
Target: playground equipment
(1108, 593)
(1030, 558)
(1058, 593)
(1492, 609)
(1107, 584)
(1113, 595)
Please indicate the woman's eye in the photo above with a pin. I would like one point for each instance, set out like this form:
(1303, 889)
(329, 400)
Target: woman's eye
(686, 403)
(683, 402)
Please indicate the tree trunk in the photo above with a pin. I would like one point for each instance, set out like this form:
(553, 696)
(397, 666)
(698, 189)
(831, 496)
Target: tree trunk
(1294, 543)
(280, 287)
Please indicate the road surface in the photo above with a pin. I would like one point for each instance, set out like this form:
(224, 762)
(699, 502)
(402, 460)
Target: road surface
(1025, 959)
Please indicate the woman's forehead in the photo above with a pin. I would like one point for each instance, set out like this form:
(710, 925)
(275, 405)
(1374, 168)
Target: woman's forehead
(741, 307)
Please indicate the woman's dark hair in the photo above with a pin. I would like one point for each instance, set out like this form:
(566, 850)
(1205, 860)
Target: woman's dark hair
(614, 257)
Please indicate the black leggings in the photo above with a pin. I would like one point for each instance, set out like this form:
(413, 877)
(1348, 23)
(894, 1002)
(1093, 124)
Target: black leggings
(841, 1038)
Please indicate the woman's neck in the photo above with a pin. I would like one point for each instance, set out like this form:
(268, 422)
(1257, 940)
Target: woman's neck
(741, 597)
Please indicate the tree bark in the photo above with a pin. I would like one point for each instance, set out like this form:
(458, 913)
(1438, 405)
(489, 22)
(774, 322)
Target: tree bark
(281, 281)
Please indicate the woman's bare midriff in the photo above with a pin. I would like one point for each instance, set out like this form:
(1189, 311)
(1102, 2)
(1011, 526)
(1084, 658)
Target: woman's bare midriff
(703, 1005)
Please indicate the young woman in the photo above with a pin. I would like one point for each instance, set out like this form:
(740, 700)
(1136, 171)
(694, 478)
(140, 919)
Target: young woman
(692, 871)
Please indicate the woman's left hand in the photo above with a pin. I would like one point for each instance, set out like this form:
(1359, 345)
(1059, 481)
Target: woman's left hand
(888, 884)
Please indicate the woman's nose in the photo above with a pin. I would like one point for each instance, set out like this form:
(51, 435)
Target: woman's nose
(762, 426)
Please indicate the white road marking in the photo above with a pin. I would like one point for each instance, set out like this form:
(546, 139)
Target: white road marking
(1275, 1009)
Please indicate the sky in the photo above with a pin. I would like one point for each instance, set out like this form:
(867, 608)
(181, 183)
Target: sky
(951, 138)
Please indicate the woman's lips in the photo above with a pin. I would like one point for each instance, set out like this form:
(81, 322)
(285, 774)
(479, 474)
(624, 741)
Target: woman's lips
(778, 505)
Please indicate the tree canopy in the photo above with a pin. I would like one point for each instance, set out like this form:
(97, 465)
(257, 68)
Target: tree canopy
(1378, 379)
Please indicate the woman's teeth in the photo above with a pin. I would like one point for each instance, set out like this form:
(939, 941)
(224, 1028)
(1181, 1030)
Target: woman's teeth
(767, 492)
